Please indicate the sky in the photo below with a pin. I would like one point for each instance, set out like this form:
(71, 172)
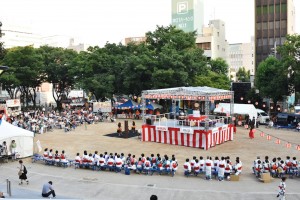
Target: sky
(95, 22)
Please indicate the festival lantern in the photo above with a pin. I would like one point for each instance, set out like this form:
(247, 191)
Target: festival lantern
(262, 134)
(277, 141)
(268, 137)
(298, 147)
(288, 145)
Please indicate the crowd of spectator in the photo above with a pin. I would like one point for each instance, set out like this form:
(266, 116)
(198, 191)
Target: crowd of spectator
(277, 167)
(40, 121)
(221, 168)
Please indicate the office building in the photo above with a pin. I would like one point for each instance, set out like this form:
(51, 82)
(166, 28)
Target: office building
(213, 41)
(241, 55)
(274, 19)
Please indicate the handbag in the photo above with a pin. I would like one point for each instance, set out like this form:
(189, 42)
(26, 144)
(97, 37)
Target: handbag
(20, 172)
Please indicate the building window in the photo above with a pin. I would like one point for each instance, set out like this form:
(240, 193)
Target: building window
(271, 25)
(271, 9)
(218, 47)
(283, 8)
(218, 34)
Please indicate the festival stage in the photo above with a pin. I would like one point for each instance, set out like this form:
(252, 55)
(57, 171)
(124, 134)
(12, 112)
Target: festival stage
(198, 131)
(187, 136)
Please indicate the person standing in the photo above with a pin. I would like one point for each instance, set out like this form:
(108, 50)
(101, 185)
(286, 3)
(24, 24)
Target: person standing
(119, 130)
(22, 173)
(4, 148)
(13, 147)
(48, 190)
(251, 133)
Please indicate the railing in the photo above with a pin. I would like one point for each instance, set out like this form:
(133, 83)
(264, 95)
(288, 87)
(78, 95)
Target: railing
(169, 119)
(8, 187)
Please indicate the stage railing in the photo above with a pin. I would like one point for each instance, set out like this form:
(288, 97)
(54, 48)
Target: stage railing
(168, 119)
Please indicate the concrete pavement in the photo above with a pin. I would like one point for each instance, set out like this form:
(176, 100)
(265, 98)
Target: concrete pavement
(87, 184)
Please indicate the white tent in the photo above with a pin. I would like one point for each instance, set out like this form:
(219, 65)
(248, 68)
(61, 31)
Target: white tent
(23, 138)
(242, 109)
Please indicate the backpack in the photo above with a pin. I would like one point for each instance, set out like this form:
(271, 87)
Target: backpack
(25, 170)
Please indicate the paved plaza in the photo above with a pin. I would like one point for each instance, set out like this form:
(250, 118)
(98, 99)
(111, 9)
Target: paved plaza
(87, 184)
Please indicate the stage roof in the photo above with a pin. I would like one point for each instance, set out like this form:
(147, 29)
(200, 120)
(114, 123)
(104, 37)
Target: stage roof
(188, 93)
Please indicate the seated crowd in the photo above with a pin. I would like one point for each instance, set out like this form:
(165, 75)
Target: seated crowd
(117, 162)
(53, 158)
(277, 167)
(219, 168)
(40, 122)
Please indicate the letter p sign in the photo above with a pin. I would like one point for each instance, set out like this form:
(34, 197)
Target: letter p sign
(182, 7)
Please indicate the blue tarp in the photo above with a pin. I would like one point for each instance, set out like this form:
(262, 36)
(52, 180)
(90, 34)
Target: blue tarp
(133, 105)
(128, 104)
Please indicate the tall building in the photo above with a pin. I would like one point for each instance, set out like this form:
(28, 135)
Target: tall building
(213, 41)
(241, 55)
(188, 15)
(274, 19)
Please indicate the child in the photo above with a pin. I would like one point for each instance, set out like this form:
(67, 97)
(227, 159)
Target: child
(282, 187)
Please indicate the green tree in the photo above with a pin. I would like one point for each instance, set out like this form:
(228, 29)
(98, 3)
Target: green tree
(219, 66)
(177, 60)
(271, 79)
(25, 72)
(58, 64)
(290, 59)
(213, 79)
(243, 75)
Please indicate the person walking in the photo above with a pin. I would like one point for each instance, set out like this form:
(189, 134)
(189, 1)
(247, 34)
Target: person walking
(251, 133)
(282, 187)
(48, 190)
(22, 173)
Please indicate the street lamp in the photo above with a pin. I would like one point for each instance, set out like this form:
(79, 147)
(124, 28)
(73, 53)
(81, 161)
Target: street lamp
(3, 68)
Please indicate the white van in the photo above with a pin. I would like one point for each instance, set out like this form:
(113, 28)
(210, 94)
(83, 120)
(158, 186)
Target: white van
(263, 117)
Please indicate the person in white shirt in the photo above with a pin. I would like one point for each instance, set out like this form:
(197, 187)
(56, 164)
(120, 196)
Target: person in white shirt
(238, 166)
(119, 163)
(208, 165)
(50, 156)
(147, 165)
(96, 157)
(228, 169)
(202, 164)
(110, 163)
(85, 157)
(101, 162)
(45, 154)
(282, 188)
(193, 163)
(196, 167)
(216, 166)
(258, 168)
(187, 167)
(266, 165)
(174, 166)
(221, 171)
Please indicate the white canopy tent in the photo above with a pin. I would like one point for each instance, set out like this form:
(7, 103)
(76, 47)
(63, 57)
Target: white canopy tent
(23, 138)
